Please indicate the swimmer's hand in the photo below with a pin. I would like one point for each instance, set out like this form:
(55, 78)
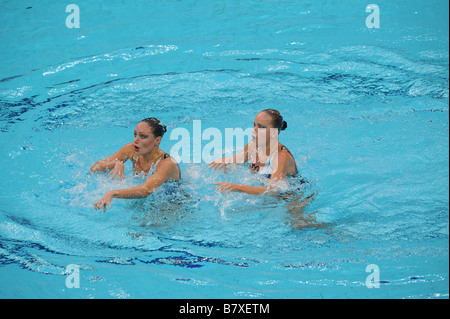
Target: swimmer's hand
(106, 200)
(230, 187)
(119, 170)
(219, 163)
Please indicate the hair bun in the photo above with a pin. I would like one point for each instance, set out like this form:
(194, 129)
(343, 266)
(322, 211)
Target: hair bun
(157, 128)
(283, 126)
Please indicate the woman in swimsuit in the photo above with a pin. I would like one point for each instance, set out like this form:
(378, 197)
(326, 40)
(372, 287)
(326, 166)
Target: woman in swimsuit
(146, 156)
(266, 155)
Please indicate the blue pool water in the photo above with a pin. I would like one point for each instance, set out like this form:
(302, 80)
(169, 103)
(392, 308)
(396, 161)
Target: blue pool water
(367, 113)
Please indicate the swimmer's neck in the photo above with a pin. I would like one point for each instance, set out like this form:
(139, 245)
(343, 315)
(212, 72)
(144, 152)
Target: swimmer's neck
(152, 156)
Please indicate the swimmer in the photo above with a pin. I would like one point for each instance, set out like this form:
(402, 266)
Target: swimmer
(265, 154)
(146, 156)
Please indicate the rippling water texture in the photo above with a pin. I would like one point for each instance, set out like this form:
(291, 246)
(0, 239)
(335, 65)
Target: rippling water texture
(367, 113)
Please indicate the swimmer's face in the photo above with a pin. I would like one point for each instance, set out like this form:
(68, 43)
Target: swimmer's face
(144, 140)
(263, 129)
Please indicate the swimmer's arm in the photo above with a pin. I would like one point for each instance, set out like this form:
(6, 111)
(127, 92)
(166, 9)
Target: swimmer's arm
(278, 175)
(162, 173)
(108, 163)
(242, 157)
(252, 190)
(239, 158)
(231, 187)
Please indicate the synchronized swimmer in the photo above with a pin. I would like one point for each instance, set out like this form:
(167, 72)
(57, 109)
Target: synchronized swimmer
(146, 156)
(264, 153)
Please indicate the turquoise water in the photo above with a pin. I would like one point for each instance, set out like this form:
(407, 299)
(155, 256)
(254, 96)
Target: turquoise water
(367, 113)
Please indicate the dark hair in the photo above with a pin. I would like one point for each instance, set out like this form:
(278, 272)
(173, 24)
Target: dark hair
(277, 119)
(157, 128)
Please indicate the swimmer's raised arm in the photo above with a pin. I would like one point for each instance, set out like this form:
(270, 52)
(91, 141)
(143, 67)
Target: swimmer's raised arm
(114, 162)
(238, 158)
(279, 174)
(164, 170)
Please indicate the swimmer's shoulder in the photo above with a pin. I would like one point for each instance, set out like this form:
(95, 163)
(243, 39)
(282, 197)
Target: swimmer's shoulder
(285, 155)
(166, 158)
(283, 150)
(128, 150)
(168, 161)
